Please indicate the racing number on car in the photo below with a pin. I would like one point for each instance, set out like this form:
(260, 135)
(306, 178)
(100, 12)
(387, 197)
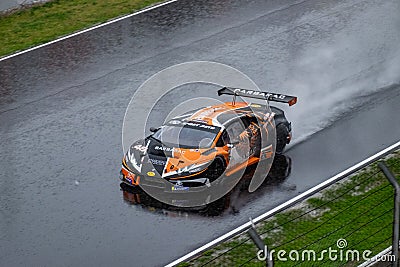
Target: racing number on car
(141, 148)
(268, 118)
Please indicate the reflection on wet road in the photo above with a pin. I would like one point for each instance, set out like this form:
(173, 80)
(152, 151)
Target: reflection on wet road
(231, 203)
(62, 107)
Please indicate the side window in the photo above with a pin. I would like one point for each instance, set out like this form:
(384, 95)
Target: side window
(235, 129)
(223, 139)
(246, 121)
(253, 120)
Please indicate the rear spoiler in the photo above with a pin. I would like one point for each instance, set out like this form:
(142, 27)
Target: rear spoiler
(291, 100)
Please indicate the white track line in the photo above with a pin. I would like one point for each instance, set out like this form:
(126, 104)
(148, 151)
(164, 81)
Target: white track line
(88, 29)
(375, 259)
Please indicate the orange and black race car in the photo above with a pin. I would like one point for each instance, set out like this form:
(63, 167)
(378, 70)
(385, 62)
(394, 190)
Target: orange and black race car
(198, 147)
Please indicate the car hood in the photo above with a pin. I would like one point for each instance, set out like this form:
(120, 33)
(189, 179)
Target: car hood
(152, 158)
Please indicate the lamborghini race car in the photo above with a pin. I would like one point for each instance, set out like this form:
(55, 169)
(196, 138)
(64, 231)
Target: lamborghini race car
(198, 147)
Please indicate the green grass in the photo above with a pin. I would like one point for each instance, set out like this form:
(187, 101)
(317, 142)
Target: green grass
(359, 210)
(42, 23)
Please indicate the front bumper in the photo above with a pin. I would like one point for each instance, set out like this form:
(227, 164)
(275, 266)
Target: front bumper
(135, 179)
(129, 177)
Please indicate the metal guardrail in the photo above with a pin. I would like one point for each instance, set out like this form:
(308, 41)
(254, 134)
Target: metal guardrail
(396, 214)
(290, 203)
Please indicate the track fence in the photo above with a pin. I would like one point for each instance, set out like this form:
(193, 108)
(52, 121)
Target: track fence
(344, 221)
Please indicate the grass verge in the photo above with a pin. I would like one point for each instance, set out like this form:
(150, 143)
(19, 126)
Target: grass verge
(359, 210)
(45, 22)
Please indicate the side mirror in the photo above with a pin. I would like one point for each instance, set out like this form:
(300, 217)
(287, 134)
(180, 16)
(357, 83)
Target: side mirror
(153, 129)
(233, 144)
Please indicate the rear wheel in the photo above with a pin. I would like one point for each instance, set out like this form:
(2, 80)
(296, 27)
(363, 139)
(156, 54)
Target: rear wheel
(281, 168)
(282, 134)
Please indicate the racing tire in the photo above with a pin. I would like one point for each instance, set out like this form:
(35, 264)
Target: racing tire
(216, 169)
(282, 133)
(280, 169)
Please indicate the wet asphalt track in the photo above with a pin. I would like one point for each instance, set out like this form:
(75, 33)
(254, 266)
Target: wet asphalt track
(62, 106)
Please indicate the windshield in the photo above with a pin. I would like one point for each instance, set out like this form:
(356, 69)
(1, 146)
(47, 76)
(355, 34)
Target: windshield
(195, 135)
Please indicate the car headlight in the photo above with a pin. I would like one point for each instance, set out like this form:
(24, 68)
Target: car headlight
(190, 169)
(197, 167)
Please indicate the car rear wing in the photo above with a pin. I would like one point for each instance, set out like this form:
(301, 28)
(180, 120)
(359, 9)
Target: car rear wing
(291, 100)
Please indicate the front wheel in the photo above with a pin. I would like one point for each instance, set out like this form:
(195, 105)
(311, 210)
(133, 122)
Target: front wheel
(216, 169)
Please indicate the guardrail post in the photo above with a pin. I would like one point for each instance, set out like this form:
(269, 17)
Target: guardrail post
(260, 244)
(396, 213)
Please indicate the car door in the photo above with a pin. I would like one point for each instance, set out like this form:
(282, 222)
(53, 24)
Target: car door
(239, 153)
